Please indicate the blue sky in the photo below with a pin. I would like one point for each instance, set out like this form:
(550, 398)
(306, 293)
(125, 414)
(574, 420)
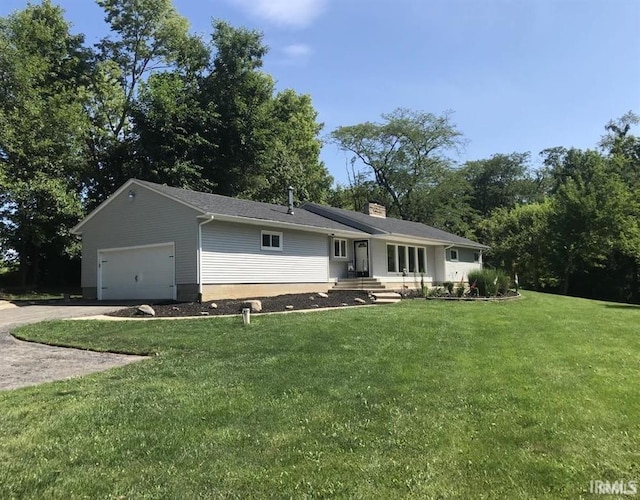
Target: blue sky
(520, 75)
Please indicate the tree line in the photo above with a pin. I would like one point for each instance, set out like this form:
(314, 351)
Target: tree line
(153, 101)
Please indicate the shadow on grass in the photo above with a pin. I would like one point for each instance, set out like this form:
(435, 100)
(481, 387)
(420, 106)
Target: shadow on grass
(623, 306)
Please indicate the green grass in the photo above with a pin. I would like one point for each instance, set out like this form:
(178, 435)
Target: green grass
(524, 399)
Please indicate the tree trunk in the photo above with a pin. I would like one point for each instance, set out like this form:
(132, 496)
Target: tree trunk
(635, 282)
(565, 282)
(35, 270)
(23, 268)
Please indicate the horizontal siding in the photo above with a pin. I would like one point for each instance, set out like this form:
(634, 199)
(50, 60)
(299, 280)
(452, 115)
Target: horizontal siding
(231, 254)
(149, 218)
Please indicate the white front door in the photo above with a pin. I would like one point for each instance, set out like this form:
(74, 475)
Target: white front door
(137, 273)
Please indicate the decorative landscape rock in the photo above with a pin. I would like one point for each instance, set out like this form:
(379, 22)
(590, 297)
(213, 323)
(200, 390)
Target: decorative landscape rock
(254, 305)
(146, 310)
(359, 300)
(288, 307)
(213, 305)
(323, 295)
(204, 313)
(299, 302)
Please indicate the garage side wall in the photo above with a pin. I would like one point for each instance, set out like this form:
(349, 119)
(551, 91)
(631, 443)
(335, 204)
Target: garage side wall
(232, 255)
(145, 219)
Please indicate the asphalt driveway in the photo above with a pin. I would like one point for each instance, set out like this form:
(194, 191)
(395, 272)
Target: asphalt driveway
(25, 363)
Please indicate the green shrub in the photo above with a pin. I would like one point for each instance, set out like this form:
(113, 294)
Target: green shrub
(503, 282)
(449, 286)
(477, 280)
(460, 289)
(490, 282)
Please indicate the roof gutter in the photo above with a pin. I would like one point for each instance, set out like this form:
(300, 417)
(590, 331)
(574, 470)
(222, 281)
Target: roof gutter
(291, 225)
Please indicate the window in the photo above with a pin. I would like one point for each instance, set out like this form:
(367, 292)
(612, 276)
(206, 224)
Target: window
(453, 255)
(476, 256)
(271, 241)
(422, 268)
(339, 248)
(402, 258)
(412, 259)
(391, 258)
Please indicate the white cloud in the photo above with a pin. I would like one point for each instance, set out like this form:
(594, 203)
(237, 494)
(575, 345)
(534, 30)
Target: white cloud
(297, 51)
(295, 13)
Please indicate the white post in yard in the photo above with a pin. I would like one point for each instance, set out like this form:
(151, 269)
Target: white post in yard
(246, 315)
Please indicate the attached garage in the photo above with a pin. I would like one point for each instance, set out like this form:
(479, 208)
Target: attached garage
(145, 272)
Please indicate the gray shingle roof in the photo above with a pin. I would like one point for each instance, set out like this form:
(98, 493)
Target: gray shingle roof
(309, 214)
(224, 205)
(389, 225)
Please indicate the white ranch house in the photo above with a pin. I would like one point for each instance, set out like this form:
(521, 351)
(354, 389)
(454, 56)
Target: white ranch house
(150, 241)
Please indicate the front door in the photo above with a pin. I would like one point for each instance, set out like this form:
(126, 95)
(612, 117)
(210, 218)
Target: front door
(362, 258)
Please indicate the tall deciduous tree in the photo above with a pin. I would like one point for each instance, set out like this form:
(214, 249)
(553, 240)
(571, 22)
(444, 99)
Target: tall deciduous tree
(592, 211)
(519, 240)
(239, 94)
(407, 154)
(292, 153)
(43, 130)
(146, 36)
(501, 181)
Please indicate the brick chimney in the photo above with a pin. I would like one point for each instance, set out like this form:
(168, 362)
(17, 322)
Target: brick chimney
(376, 210)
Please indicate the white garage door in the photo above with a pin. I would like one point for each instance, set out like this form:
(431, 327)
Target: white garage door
(137, 273)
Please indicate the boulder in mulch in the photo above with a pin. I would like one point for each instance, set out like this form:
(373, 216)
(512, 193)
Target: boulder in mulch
(288, 307)
(146, 309)
(359, 300)
(323, 295)
(254, 305)
(213, 305)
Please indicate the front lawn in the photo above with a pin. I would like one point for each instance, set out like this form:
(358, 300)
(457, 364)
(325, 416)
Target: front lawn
(531, 398)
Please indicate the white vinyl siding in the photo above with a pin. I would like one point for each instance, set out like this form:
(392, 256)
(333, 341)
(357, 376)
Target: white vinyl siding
(232, 253)
(146, 219)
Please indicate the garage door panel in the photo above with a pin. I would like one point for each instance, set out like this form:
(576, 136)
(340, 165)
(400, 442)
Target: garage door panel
(138, 273)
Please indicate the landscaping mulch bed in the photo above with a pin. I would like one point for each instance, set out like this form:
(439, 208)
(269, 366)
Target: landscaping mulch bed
(300, 301)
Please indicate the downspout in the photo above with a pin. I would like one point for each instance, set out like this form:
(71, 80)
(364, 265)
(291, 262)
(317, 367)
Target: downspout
(209, 219)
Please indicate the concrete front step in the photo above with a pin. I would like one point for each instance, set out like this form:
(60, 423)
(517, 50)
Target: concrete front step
(358, 284)
(387, 297)
(356, 289)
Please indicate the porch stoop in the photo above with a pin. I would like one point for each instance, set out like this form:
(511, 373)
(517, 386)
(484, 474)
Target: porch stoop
(386, 297)
(367, 284)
